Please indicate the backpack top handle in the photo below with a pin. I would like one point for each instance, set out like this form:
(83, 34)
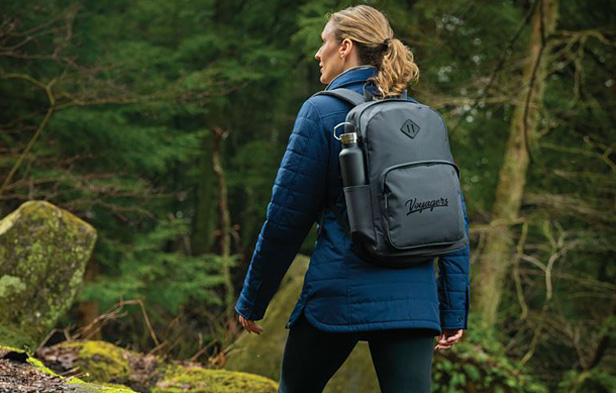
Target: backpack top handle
(369, 96)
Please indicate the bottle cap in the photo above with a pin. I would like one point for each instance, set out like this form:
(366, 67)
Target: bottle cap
(349, 137)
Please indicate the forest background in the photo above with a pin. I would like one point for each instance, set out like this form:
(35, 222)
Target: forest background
(162, 124)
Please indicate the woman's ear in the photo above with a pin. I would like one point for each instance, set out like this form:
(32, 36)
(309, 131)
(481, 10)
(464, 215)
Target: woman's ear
(346, 46)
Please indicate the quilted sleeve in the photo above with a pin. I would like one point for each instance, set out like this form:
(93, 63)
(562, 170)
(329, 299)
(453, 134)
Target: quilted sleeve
(297, 197)
(453, 285)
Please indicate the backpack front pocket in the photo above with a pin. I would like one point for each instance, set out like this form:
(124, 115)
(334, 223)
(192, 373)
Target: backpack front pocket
(422, 204)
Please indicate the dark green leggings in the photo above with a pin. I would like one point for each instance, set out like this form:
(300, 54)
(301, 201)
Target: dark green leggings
(402, 358)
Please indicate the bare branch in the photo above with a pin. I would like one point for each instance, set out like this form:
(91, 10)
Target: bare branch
(603, 156)
(516, 271)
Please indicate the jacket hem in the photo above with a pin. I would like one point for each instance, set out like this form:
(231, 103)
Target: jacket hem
(371, 326)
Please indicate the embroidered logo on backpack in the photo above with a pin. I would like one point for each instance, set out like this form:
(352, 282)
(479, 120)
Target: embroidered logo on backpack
(419, 206)
(409, 128)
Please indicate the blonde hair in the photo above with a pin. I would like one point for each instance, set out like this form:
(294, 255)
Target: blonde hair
(376, 45)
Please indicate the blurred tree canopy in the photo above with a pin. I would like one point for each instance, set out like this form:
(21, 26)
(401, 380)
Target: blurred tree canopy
(112, 110)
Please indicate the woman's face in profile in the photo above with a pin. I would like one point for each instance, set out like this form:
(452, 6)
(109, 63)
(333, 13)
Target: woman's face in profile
(328, 55)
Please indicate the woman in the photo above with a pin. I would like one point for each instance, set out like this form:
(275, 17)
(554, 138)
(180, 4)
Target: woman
(345, 298)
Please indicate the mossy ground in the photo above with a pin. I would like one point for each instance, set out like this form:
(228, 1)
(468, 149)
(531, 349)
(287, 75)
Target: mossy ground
(200, 380)
(40, 375)
(104, 362)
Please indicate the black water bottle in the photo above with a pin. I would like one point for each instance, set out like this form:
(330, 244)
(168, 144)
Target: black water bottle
(351, 161)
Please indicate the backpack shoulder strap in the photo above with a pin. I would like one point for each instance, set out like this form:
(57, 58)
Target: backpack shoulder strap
(354, 99)
(347, 95)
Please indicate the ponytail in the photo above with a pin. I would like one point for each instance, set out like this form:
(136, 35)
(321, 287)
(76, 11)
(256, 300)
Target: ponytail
(397, 69)
(376, 46)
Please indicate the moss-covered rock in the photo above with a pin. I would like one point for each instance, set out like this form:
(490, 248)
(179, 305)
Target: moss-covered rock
(262, 354)
(199, 380)
(14, 337)
(102, 362)
(43, 253)
(32, 375)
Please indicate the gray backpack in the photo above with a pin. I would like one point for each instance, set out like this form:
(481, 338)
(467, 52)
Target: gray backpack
(411, 209)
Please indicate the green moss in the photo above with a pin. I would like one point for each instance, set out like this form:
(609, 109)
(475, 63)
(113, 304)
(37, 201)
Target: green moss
(104, 362)
(13, 337)
(31, 360)
(10, 285)
(43, 253)
(199, 380)
(85, 387)
(6, 348)
(79, 386)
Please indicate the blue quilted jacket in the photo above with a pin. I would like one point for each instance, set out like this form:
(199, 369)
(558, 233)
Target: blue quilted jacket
(341, 292)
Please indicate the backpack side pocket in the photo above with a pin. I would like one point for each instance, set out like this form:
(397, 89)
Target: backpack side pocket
(359, 209)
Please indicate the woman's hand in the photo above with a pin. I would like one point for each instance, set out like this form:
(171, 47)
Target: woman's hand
(251, 326)
(448, 338)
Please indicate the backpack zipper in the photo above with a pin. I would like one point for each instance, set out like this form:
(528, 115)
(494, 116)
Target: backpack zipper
(385, 171)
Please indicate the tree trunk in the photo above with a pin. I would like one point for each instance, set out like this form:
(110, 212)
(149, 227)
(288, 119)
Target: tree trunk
(204, 219)
(225, 217)
(496, 256)
(88, 311)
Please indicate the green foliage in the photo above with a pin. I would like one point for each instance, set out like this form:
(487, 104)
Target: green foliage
(479, 363)
(575, 381)
(165, 279)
